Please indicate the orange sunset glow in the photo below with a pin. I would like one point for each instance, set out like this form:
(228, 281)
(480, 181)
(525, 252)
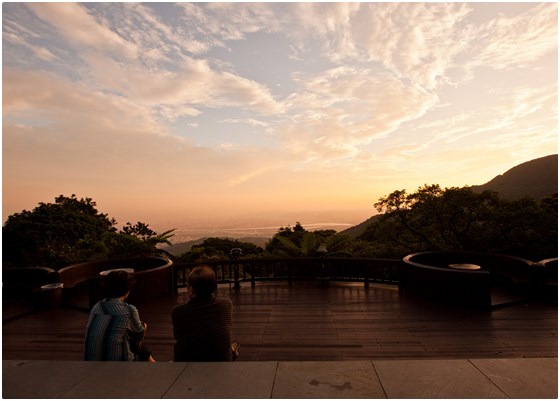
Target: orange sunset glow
(181, 114)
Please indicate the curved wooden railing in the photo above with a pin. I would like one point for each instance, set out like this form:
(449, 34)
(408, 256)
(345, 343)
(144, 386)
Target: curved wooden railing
(154, 278)
(235, 271)
(427, 273)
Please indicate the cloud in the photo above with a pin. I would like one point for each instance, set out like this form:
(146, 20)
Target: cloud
(221, 22)
(82, 29)
(197, 84)
(515, 42)
(148, 45)
(250, 121)
(73, 107)
(344, 109)
(326, 20)
(61, 136)
(514, 110)
(16, 39)
(412, 40)
(246, 177)
(171, 112)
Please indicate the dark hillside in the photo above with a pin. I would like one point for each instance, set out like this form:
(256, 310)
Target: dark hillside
(536, 178)
(182, 247)
(357, 230)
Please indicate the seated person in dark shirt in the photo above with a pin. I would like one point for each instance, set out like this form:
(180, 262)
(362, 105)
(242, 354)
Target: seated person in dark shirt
(202, 326)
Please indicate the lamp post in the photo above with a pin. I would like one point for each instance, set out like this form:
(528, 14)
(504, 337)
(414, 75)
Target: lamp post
(322, 251)
(234, 254)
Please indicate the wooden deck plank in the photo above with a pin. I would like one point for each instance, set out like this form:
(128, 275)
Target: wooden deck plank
(274, 321)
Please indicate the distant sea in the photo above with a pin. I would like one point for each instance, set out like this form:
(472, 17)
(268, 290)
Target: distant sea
(261, 224)
(185, 234)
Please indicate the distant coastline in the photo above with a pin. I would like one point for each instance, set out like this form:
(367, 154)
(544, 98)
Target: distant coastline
(185, 238)
(260, 224)
(187, 234)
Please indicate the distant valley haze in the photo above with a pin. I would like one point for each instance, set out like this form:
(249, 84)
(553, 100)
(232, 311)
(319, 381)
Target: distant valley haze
(536, 178)
(264, 224)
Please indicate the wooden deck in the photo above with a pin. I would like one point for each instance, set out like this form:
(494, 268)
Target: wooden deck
(306, 322)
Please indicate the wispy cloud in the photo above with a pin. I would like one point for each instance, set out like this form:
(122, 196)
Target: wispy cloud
(188, 82)
(81, 29)
(515, 42)
(248, 176)
(346, 108)
(250, 121)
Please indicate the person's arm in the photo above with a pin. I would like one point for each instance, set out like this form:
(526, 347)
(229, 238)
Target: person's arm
(175, 322)
(228, 306)
(137, 326)
(223, 329)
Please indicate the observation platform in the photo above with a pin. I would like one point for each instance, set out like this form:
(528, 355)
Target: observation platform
(301, 341)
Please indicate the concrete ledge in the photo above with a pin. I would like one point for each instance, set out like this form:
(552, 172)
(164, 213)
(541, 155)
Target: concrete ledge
(465, 378)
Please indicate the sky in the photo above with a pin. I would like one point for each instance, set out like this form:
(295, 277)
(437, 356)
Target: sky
(170, 113)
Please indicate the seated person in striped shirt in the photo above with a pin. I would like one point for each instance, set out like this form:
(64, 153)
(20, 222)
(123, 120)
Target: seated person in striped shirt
(202, 326)
(114, 331)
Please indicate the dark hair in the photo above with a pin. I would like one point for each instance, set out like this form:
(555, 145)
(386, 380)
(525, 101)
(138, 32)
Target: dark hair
(203, 281)
(118, 283)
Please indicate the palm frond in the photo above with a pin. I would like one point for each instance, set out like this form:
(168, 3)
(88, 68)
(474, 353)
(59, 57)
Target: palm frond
(308, 244)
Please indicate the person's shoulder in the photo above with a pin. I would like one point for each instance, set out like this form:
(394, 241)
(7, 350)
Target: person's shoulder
(178, 309)
(96, 308)
(130, 307)
(224, 301)
(122, 306)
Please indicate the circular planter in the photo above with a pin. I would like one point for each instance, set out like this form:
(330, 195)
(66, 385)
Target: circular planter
(153, 276)
(50, 295)
(435, 275)
(21, 282)
(106, 272)
(546, 278)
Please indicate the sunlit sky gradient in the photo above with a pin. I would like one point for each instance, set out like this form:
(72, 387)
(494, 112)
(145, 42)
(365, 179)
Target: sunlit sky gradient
(170, 112)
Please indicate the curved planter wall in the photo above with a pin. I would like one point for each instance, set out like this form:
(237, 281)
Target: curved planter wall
(429, 274)
(22, 281)
(546, 273)
(154, 279)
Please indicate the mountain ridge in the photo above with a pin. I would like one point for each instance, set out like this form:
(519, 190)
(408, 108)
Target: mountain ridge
(537, 178)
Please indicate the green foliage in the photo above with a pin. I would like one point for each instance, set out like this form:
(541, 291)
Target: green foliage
(307, 245)
(72, 230)
(300, 242)
(462, 220)
(139, 230)
(219, 248)
(137, 240)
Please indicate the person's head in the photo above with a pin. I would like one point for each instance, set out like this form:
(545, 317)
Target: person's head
(118, 283)
(202, 282)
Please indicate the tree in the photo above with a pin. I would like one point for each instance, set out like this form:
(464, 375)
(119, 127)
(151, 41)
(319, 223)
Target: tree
(528, 228)
(55, 234)
(300, 242)
(459, 219)
(136, 240)
(69, 231)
